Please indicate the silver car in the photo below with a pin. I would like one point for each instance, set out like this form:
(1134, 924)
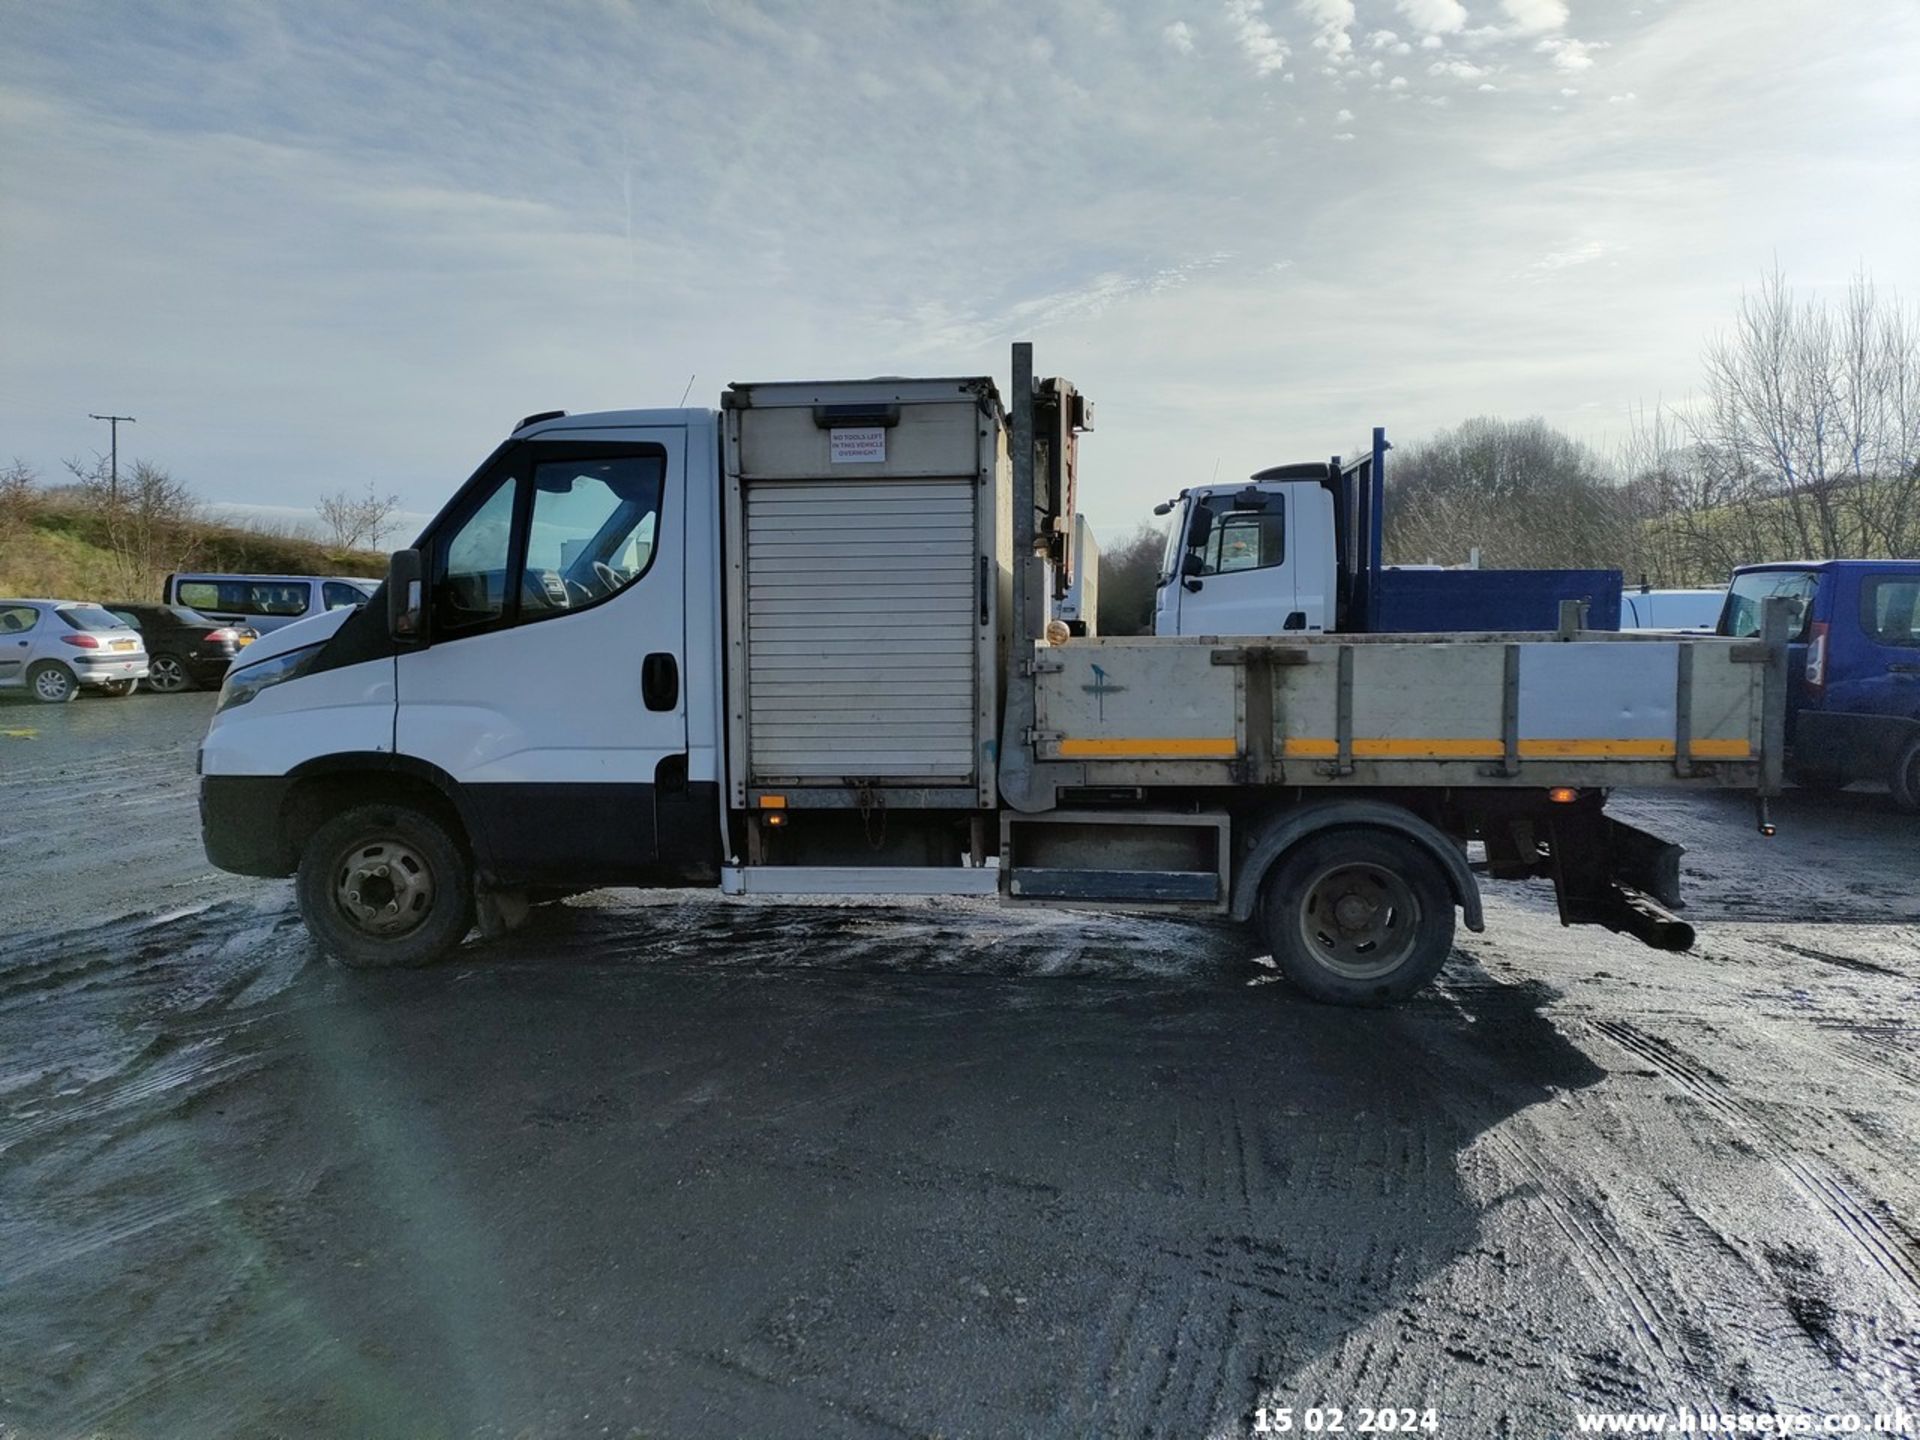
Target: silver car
(54, 648)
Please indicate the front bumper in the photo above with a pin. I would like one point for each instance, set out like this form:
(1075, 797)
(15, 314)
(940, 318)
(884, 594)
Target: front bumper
(241, 823)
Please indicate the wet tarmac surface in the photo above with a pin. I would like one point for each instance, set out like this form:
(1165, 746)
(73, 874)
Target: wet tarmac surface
(674, 1165)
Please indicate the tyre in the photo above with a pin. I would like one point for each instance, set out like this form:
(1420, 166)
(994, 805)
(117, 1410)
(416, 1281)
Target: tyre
(119, 689)
(383, 886)
(1905, 780)
(1358, 917)
(167, 675)
(52, 683)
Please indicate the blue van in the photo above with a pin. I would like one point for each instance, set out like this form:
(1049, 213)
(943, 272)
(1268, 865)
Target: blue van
(1853, 709)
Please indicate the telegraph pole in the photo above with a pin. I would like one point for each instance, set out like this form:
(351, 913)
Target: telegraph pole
(113, 472)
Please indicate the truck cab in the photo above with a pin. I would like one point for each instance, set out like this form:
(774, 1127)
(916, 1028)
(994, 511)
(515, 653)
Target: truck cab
(1253, 560)
(1853, 706)
(1298, 549)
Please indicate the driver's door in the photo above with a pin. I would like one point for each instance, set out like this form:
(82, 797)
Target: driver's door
(551, 690)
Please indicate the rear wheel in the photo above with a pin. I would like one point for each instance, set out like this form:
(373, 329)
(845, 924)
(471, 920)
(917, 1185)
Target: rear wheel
(1905, 781)
(52, 684)
(383, 886)
(1359, 917)
(168, 675)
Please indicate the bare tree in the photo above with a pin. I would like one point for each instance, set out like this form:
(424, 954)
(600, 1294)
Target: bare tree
(1806, 444)
(16, 499)
(1518, 491)
(149, 520)
(357, 522)
(1127, 575)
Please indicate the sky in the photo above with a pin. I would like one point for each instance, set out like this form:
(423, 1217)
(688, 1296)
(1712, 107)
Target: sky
(316, 246)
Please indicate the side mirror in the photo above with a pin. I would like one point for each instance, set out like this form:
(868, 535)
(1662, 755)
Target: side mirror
(1193, 564)
(406, 598)
(1201, 528)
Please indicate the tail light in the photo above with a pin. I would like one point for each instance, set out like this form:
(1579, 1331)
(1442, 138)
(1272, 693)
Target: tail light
(1817, 657)
(81, 641)
(223, 637)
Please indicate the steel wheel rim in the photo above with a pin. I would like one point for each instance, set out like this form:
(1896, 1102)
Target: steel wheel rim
(166, 674)
(383, 887)
(51, 685)
(1359, 920)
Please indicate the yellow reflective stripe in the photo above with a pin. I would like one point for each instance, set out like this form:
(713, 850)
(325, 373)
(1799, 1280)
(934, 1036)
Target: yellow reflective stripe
(1427, 748)
(1448, 748)
(1722, 749)
(1154, 749)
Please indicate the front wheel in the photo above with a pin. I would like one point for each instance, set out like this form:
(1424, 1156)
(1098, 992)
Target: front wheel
(384, 886)
(1359, 917)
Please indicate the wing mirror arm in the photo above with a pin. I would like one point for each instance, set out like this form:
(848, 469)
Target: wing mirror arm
(407, 599)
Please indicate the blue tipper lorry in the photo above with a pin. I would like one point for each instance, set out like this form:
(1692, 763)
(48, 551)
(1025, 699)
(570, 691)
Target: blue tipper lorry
(1299, 548)
(1853, 702)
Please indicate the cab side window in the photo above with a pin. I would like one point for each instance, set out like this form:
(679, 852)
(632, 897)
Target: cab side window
(472, 560)
(1245, 540)
(591, 532)
(342, 597)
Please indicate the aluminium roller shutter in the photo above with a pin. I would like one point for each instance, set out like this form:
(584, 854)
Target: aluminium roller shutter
(861, 630)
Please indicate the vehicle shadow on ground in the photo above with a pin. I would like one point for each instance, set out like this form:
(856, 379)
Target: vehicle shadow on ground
(694, 1167)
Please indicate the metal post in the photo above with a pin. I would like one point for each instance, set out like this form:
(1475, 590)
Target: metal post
(1016, 751)
(1777, 617)
(113, 465)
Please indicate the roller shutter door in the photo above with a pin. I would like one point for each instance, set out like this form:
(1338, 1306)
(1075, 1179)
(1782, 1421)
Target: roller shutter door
(861, 630)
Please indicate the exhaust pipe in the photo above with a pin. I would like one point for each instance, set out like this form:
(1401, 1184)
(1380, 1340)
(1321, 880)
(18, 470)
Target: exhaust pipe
(1650, 923)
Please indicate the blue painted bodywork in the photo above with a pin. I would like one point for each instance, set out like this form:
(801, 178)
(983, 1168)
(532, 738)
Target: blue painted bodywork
(1864, 715)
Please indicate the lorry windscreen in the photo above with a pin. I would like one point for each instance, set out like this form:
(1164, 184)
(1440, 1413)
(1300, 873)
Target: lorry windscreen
(1750, 591)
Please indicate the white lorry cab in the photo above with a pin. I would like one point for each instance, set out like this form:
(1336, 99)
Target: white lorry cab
(1297, 549)
(801, 644)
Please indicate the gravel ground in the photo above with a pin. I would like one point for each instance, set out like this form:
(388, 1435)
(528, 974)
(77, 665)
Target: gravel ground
(673, 1165)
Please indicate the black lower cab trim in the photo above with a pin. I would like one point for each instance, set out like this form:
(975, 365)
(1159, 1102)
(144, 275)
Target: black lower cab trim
(240, 823)
(596, 834)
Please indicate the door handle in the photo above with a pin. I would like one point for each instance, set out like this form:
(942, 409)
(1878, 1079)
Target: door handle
(660, 681)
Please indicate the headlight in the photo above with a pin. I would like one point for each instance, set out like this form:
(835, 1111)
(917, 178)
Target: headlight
(243, 684)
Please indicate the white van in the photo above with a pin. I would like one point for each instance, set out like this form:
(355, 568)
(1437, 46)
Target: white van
(266, 602)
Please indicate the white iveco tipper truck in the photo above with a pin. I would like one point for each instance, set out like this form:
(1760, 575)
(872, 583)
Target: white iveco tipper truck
(800, 645)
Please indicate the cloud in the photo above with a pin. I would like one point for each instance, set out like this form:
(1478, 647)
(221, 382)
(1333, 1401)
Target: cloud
(1330, 20)
(1179, 37)
(1532, 16)
(1255, 37)
(1570, 56)
(1457, 69)
(1584, 253)
(1435, 17)
(1432, 42)
(1344, 135)
(1343, 117)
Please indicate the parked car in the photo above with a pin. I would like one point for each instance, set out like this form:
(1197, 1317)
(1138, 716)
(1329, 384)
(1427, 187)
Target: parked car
(55, 648)
(185, 649)
(265, 602)
(1853, 710)
(1675, 610)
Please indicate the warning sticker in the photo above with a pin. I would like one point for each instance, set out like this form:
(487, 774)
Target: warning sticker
(859, 445)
